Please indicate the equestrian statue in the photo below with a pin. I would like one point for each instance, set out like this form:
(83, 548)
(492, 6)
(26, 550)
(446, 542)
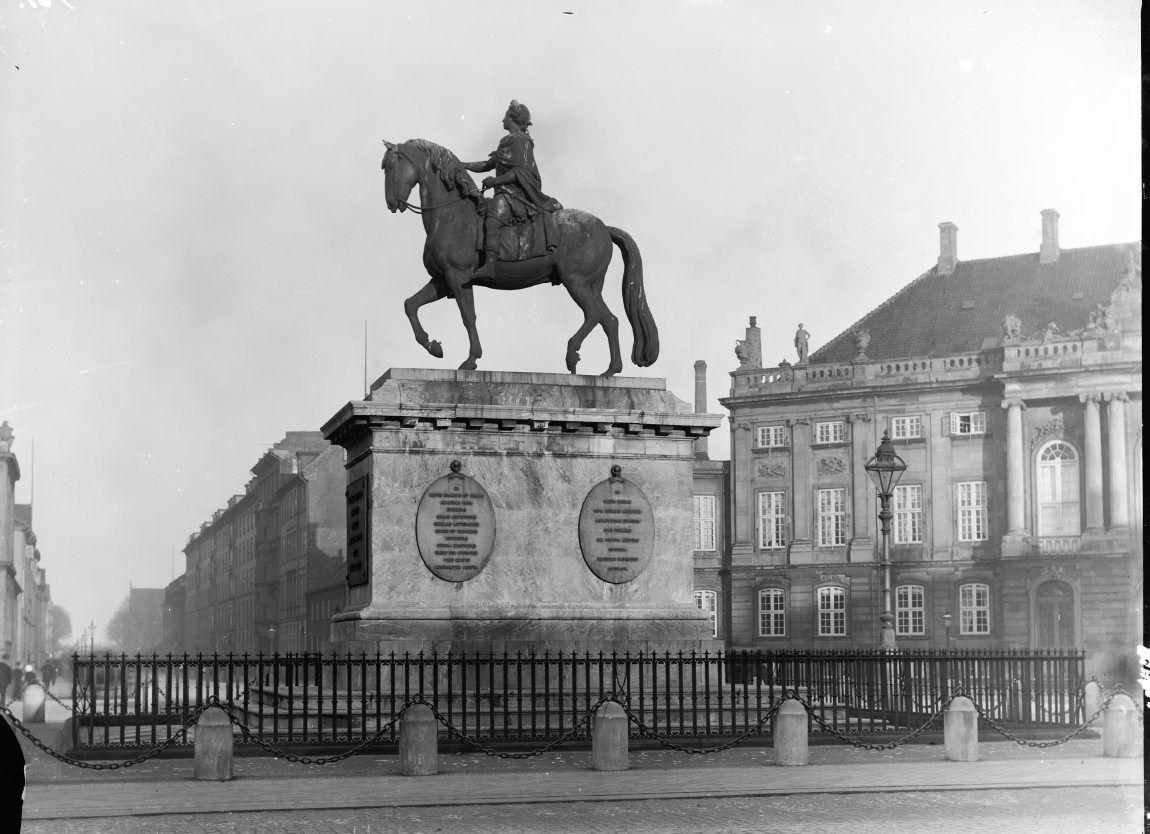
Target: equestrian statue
(518, 238)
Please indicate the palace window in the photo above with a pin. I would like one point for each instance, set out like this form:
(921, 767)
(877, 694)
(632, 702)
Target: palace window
(909, 610)
(908, 514)
(974, 608)
(772, 612)
(770, 437)
(704, 522)
(831, 431)
(832, 517)
(968, 422)
(972, 511)
(772, 520)
(1058, 493)
(832, 611)
(706, 601)
(905, 428)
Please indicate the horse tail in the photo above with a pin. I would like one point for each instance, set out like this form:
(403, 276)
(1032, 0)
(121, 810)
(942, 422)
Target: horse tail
(646, 347)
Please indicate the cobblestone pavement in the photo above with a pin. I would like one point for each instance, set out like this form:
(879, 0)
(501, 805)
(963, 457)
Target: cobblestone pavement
(1084, 810)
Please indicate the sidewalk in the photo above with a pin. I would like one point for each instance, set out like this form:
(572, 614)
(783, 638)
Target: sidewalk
(165, 786)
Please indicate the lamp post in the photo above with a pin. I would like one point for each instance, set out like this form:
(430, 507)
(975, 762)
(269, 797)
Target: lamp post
(885, 468)
(946, 618)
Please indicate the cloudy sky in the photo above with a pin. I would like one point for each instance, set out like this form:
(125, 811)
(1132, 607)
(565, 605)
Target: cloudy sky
(193, 230)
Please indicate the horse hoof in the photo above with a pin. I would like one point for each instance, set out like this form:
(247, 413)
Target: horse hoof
(435, 349)
(469, 365)
(573, 361)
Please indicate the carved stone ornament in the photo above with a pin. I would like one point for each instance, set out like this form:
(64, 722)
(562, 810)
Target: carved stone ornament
(1047, 430)
(6, 437)
(862, 340)
(772, 469)
(1011, 330)
(743, 353)
(831, 466)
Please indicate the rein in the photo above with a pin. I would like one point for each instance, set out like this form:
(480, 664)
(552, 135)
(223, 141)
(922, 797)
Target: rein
(423, 209)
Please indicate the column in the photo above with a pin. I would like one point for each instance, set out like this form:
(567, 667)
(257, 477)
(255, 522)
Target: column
(1015, 494)
(1093, 462)
(1116, 416)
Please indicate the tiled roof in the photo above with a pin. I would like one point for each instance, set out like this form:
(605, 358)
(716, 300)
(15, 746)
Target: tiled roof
(940, 315)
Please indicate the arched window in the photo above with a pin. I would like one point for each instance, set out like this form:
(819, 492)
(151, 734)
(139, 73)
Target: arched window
(772, 612)
(706, 601)
(832, 602)
(1058, 493)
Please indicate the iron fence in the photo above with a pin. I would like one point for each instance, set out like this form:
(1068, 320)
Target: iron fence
(320, 700)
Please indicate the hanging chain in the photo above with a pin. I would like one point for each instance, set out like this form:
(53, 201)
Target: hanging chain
(143, 757)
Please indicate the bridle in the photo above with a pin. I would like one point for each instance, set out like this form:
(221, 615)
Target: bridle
(412, 207)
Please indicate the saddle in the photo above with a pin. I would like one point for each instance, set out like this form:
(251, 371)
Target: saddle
(522, 241)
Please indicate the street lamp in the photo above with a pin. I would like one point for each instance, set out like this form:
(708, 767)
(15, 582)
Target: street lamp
(885, 468)
(946, 618)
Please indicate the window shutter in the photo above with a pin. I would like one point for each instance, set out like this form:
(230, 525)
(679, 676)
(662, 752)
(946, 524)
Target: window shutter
(948, 422)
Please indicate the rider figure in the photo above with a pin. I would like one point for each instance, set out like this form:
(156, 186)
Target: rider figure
(517, 185)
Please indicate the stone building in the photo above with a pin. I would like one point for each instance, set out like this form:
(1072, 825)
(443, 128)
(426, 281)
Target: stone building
(1012, 388)
(25, 596)
(246, 569)
(173, 616)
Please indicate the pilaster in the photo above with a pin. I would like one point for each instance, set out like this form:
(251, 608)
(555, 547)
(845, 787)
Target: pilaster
(1119, 497)
(1093, 462)
(862, 493)
(801, 549)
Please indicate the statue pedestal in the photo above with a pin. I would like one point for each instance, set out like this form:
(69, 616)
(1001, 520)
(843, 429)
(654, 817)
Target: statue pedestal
(536, 445)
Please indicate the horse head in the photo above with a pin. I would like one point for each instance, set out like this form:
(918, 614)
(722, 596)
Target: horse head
(400, 176)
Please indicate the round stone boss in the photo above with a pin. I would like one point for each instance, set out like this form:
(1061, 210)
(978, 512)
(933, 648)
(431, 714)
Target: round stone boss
(455, 526)
(616, 529)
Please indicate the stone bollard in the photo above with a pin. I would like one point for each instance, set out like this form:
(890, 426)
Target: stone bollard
(418, 742)
(213, 746)
(34, 704)
(610, 738)
(1120, 736)
(790, 728)
(1091, 700)
(960, 730)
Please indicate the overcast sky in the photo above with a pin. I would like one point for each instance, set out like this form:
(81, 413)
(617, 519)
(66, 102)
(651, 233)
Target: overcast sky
(193, 227)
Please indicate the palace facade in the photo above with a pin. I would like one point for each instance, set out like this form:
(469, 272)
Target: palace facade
(1012, 389)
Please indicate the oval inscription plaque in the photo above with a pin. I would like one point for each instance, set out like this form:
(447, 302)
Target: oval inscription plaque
(455, 527)
(616, 529)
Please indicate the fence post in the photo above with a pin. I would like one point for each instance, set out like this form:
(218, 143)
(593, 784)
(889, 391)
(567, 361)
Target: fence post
(610, 738)
(1092, 700)
(33, 702)
(790, 730)
(418, 742)
(213, 746)
(1120, 734)
(960, 730)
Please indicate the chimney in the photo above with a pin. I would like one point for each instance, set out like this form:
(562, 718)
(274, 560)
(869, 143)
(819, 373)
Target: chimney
(700, 386)
(1049, 252)
(753, 345)
(702, 444)
(947, 247)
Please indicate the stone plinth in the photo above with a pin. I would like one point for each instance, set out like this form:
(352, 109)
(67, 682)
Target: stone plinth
(537, 444)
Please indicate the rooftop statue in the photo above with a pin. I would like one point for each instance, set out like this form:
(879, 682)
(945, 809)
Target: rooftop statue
(517, 239)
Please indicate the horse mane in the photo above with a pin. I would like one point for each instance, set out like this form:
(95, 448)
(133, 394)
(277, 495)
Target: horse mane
(447, 165)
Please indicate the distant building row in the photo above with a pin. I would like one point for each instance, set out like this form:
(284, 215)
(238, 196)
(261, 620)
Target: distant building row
(25, 596)
(266, 573)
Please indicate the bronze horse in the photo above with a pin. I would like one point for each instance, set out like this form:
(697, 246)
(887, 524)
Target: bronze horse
(449, 201)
